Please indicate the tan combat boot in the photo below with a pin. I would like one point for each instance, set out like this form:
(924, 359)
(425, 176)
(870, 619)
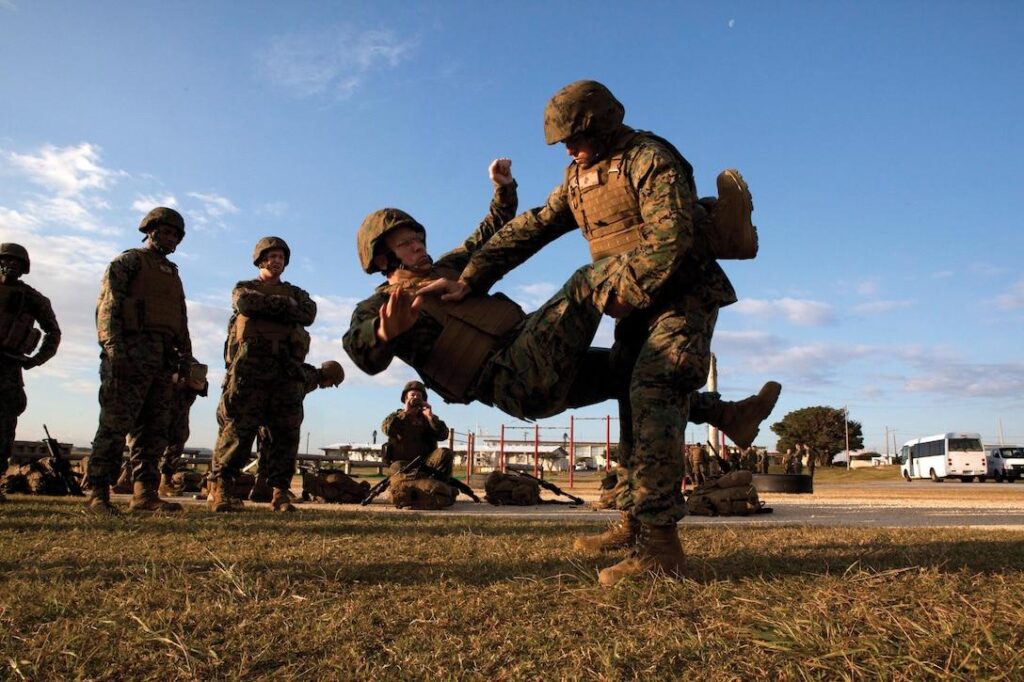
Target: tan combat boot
(167, 486)
(741, 421)
(657, 551)
(217, 499)
(99, 501)
(620, 536)
(281, 501)
(734, 236)
(146, 499)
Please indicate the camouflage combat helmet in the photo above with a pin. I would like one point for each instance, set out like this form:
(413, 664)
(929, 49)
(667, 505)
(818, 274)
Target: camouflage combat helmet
(12, 250)
(161, 215)
(413, 386)
(268, 243)
(581, 107)
(375, 226)
(332, 371)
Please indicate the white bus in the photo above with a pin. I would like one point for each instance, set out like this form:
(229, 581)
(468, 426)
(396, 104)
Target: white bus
(943, 455)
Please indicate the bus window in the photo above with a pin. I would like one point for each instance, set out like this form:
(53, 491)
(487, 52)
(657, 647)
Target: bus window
(965, 445)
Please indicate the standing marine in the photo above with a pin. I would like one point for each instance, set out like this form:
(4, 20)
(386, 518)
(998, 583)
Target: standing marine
(265, 381)
(142, 326)
(21, 309)
(653, 248)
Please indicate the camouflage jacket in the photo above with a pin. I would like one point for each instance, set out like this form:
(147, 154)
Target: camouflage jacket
(412, 435)
(38, 306)
(114, 290)
(372, 355)
(662, 270)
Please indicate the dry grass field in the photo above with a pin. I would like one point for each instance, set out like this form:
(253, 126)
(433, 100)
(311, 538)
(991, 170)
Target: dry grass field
(332, 594)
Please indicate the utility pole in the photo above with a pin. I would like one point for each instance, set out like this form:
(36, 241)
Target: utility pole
(887, 443)
(713, 386)
(846, 425)
(307, 442)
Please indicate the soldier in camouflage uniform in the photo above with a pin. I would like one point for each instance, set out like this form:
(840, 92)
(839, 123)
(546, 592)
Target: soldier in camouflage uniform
(698, 457)
(654, 250)
(484, 348)
(21, 309)
(142, 326)
(328, 375)
(265, 383)
(415, 431)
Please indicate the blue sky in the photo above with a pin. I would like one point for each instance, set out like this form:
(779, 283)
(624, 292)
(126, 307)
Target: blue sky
(882, 142)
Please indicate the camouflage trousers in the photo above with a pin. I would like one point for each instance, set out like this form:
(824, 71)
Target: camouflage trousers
(550, 366)
(259, 394)
(672, 351)
(134, 403)
(177, 432)
(12, 404)
(535, 375)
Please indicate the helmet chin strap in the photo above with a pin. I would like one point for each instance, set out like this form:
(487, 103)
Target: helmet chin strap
(10, 272)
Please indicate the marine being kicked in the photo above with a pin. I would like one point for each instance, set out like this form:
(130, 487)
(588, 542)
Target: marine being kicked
(21, 309)
(142, 327)
(265, 382)
(485, 348)
(653, 248)
(415, 431)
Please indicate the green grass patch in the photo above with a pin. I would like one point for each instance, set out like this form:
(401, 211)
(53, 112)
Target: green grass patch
(343, 595)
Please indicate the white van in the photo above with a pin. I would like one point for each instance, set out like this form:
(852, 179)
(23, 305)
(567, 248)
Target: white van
(1005, 462)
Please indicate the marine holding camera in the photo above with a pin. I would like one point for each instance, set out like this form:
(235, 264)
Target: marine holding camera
(415, 431)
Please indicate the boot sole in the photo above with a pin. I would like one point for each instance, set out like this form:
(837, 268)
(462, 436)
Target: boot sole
(746, 247)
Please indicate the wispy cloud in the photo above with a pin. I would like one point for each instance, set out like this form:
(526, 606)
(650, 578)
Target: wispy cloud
(145, 203)
(67, 171)
(532, 296)
(875, 307)
(1013, 299)
(798, 311)
(334, 62)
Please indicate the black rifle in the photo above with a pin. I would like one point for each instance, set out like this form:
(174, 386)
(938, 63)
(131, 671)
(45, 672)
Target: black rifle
(551, 486)
(60, 465)
(418, 465)
(386, 481)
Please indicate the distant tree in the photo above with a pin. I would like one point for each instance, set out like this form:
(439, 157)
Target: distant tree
(820, 427)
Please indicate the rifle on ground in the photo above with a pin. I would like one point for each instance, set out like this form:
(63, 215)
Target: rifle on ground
(551, 486)
(450, 480)
(60, 465)
(417, 464)
(383, 484)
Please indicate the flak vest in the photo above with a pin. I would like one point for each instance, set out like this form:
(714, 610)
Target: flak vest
(605, 204)
(269, 334)
(156, 299)
(473, 330)
(17, 327)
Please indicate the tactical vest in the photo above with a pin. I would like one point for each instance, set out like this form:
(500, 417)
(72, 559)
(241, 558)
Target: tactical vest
(605, 204)
(17, 327)
(270, 334)
(473, 329)
(156, 299)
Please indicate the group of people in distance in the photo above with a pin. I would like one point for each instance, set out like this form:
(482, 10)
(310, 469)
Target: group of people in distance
(654, 252)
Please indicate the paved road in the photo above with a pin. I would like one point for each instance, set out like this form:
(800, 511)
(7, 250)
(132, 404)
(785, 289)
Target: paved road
(879, 505)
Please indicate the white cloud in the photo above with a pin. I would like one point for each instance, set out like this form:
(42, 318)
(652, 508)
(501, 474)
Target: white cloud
(147, 202)
(874, 307)
(1013, 299)
(214, 205)
(333, 61)
(274, 209)
(798, 311)
(67, 171)
(868, 287)
(532, 296)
